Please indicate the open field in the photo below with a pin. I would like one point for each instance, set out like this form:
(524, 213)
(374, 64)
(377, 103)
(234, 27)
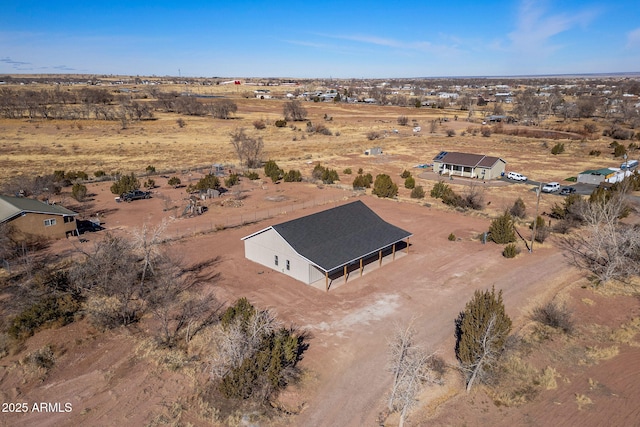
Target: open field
(110, 379)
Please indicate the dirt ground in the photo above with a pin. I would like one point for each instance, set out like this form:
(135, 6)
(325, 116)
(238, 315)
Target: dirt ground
(346, 379)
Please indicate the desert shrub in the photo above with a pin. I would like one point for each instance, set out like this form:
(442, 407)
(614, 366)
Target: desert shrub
(43, 358)
(252, 175)
(417, 192)
(451, 132)
(619, 150)
(209, 181)
(181, 123)
(360, 171)
(410, 183)
(150, 169)
(452, 237)
(518, 210)
(318, 170)
(293, 176)
(405, 174)
(481, 332)
(384, 186)
(594, 153)
(49, 311)
(150, 183)
(294, 111)
(259, 124)
(510, 251)
(542, 231)
(232, 180)
(486, 132)
(329, 176)
(347, 171)
(124, 184)
(501, 229)
(99, 173)
(272, 170)
(403, 120)
(174, 181)
(555, 315)
(439, 189)
(362, 181)
(262, 355)
(618, 133)
(79, 191)
(281, 123)
(372, 135)
(320, 128)
(558, 148)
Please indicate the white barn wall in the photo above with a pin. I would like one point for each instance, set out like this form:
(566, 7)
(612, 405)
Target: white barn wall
(263, 247)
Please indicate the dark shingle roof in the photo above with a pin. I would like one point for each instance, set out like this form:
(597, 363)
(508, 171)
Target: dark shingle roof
(338, 236)
(11, 207)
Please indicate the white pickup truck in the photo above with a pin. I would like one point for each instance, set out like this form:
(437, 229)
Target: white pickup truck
(551, 187)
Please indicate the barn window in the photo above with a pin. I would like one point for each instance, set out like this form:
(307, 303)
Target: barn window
(288, 265)
(49, 222)
(275, 260)
(68, 219)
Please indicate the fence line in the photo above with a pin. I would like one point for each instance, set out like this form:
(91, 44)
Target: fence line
(181, 230)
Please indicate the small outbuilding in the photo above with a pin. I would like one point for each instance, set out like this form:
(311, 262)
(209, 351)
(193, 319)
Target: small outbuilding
(326, 244)
(33, 217)
(468, 165)
(596, 176)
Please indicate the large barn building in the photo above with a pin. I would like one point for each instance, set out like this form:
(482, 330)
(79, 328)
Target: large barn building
(326, 243)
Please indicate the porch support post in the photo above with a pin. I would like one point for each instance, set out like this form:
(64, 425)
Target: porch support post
(326, 281)
(380, 257)
(394, 252)
(407, 245)
(345, 274)
(360, 267)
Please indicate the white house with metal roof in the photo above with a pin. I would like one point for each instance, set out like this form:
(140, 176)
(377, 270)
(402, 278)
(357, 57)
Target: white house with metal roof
(326, 243)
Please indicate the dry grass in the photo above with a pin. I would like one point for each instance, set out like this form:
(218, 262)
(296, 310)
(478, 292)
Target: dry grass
(595, 354)
(169, 358)
(626, 333)
(582, 401)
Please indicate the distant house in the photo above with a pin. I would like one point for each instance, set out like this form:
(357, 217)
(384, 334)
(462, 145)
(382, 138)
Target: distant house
(326, 244)
(373, 151)
(468, 165)
(33, 217)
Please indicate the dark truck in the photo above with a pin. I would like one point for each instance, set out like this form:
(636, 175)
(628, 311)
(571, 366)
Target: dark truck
(135, 195)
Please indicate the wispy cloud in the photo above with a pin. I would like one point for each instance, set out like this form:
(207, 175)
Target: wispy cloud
(418, 46)
(633, 39)
(536, 28)
(14, 64)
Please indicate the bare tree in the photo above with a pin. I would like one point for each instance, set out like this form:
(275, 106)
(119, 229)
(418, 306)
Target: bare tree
(176, 300)
(409, 365)
(223, 108)
(294, 111)
(607, 248)
(248, 149)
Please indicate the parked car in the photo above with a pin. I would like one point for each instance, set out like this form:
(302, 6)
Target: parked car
(135, 195)
(516, 176)
(551, 187)
(567, 190)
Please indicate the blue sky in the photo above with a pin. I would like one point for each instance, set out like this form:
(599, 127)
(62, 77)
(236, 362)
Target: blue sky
(340, 39)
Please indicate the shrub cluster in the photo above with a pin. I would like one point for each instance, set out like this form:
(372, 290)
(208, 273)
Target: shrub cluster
(362, 181)
(272, 170)
(501, 229)
(293, 176)
(124, 184)
(328, 176)
(510, 251)
(555, 315)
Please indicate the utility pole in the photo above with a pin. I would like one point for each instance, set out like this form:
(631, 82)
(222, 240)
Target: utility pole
(535, 220)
